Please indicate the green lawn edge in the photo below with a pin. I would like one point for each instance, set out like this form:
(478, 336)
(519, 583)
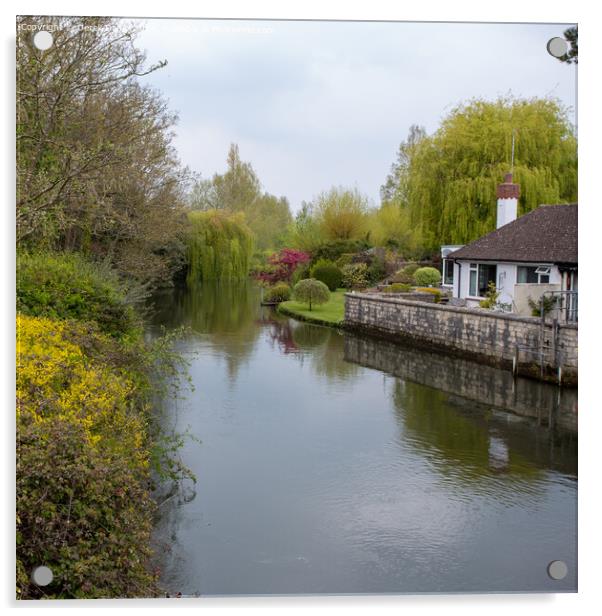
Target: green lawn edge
(330, 314)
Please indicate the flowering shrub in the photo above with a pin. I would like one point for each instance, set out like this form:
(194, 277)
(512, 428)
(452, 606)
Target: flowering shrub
(355, 275)
(282, 265)
(83, 501)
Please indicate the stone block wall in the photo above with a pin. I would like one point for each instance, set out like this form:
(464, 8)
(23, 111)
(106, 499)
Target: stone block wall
(491, 337)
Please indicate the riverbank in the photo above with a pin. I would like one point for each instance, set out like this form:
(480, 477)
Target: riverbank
(88, 441)
(331, 314)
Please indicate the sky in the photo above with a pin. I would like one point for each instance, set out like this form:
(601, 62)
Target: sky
(319, 104)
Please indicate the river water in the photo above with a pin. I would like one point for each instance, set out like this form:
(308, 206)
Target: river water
(332, 463)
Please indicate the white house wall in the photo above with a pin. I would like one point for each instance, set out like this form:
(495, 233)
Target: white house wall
(505, 283)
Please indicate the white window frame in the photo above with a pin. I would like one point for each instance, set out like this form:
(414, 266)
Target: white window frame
(474, 267)
(540, 270)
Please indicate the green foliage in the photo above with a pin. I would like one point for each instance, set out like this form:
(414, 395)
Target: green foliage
(406, 274)
(220, 246)
(397, 287)
(311, 292)
(280, 292)
(436, 292)
(68, 286)
(83, 504)
(549, 303)
(355, 275)
(376, 271)
(425, 276)
(331, 312)
(333, 250)
(96, 171)
(300, 273)
(342, 214)
(447, 181)
(491, 297)
(328, 273)
(239, 190)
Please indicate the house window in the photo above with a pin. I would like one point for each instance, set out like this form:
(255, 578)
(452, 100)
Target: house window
(481, 274)
(448, 272)
(533, 275)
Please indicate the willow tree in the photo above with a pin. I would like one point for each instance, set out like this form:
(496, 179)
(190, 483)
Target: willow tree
(220, 246)
(451, 178)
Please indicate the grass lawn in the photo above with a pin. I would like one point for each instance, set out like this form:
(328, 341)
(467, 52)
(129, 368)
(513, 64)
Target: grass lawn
(330, 313)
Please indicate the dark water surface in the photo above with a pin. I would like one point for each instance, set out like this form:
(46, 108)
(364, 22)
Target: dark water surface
(331, 463)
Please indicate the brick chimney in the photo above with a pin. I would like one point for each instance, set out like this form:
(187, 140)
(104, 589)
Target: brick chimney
(507, 201)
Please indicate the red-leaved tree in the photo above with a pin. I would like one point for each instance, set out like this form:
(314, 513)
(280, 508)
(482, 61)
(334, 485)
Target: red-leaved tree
(281, 265)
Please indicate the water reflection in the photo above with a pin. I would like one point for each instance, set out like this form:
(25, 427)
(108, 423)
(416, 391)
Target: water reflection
(333, 463)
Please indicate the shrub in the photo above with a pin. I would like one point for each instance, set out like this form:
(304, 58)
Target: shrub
(282, 265)
(549, 302)
(331, 251)
(83, 464)
(398, 287)
(432, 291)
(355, 275)
(311, 291)
(406, 274)
(376, 271)
(491, 297)
(345, 259)
(425, 276)
(68, 286)
(280, 292)
(328, 273)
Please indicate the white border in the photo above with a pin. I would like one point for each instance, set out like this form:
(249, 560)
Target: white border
(583, 12)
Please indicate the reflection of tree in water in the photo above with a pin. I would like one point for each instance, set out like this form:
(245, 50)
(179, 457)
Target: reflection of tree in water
(464, 442)
(225, 311)
(321, 346)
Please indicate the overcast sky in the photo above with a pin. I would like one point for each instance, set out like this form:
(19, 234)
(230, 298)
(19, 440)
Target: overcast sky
(317, 104)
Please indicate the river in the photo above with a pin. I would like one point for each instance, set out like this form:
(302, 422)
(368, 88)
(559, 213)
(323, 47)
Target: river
(332, 463)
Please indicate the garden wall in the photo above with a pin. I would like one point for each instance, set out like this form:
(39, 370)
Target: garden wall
(494, 338)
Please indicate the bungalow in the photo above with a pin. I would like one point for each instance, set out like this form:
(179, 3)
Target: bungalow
(524, 257)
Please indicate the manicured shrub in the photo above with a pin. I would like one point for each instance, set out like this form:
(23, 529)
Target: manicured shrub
(311, 291)
(355, 275)
(328, 273)
(68, 286)
(432, 291)
(83, 501)
(280, 292)
(425, 276)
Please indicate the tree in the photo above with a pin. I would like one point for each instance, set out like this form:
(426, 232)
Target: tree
(342, 214)
(220, 246)
(282, 265)
(571, 35)
(239, 190)
(451, 177)
(305, 232)
(96, 171)
(311, 291)
(395, 187)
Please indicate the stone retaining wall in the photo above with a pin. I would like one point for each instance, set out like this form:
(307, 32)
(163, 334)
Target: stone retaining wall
(495, 338)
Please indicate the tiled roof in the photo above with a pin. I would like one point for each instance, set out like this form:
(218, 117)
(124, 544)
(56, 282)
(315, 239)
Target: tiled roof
(547, 234)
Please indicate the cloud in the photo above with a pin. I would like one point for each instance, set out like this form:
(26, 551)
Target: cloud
(316, 104)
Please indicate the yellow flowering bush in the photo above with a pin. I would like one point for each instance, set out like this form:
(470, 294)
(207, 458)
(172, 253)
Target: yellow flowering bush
(83, 499)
